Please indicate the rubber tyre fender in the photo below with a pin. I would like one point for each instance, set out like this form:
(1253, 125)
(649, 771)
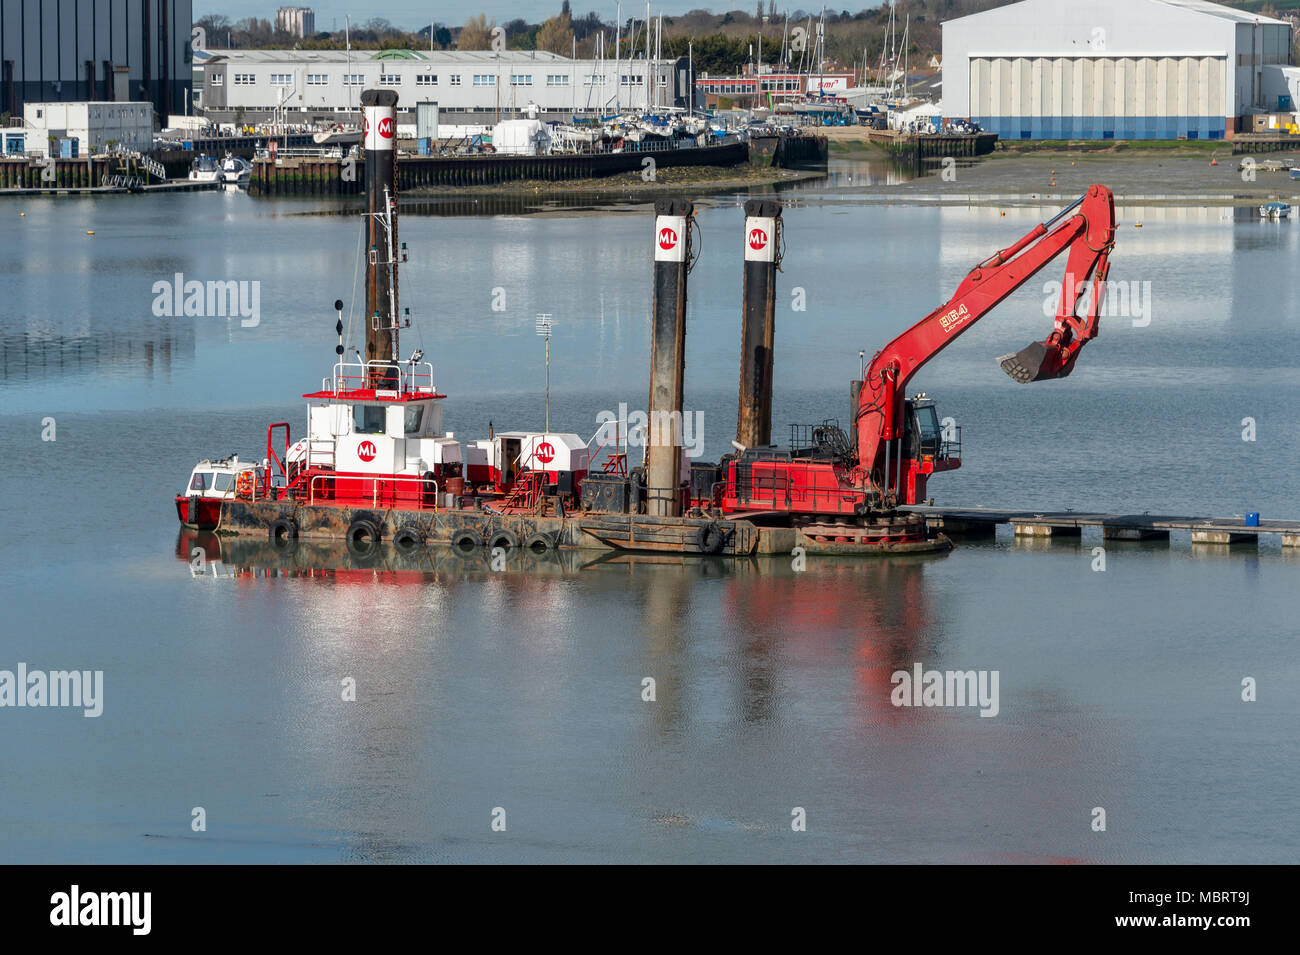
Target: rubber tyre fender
(408, 538)
(192, 511)
(710, 538)
(540, 543)
(503, 538)
(465, 540)
(284, 529)
(362, 552)
(362, 532)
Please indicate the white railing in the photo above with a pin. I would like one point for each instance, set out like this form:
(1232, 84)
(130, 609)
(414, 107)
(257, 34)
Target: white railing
(375, 482)
(155, 168)
(413, 376)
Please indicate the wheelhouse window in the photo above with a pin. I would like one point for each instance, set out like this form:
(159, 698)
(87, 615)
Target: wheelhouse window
(368, 419)
(201, 481)
(223, 482)
(414, 416)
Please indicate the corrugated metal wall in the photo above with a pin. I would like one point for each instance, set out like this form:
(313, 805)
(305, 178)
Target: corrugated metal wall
(1102, 97)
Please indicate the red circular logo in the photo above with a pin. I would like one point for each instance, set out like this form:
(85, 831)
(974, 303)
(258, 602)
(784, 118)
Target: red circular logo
(386, 127)
(546, 452)
(667, 238)
(757, 239)
(366, 450)
(367, 127)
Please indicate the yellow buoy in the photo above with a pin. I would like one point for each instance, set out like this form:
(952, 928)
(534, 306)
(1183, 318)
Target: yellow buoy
(1137, 225)
(90, 232)
(21, 214)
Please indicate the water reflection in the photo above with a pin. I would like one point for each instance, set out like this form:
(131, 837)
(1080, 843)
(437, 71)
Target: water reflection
(873, 612)
(46, 350)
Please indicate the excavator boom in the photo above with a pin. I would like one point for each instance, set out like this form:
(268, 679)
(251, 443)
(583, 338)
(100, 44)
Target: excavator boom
(1087, 229)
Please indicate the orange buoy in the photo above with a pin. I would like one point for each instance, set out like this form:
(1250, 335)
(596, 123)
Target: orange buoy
(21, 214)
(1214, 162)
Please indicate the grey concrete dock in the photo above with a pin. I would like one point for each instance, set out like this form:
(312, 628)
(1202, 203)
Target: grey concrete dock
(983, 522)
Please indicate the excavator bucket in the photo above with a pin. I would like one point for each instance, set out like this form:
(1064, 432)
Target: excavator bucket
(1035, 362)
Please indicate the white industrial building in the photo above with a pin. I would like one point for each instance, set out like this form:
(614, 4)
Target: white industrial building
(1116, 69)
(93, 128)
(307, 82)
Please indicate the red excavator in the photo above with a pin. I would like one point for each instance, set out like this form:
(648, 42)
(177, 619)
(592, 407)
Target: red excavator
(896, 443)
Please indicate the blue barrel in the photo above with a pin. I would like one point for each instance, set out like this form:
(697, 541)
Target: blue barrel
(1252, 519)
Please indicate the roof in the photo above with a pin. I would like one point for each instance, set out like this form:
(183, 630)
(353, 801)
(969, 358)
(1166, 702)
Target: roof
(349, 395)
(1219, 10)
(1203, 7)
(438, 57)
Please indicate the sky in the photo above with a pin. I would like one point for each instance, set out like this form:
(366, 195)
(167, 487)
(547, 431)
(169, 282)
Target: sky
(412, 14)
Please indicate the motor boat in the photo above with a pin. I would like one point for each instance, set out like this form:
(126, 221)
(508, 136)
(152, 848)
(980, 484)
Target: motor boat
(205, 169)
(235, 170)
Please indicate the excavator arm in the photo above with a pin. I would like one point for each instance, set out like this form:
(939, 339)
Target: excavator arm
(1087, 229)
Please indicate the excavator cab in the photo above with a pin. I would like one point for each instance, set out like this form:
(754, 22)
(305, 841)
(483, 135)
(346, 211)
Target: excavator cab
(924, 436)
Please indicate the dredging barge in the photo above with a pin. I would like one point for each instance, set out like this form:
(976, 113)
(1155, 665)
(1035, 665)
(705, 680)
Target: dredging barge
(375, 465)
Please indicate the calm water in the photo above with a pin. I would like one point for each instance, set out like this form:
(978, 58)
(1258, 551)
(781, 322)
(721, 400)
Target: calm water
(522, 689)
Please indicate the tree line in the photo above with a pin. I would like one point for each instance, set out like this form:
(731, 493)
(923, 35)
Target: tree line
(721, 42)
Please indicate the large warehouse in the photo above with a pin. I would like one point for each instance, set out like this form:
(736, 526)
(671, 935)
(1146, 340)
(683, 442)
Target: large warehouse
(1115, 69)
(106, 50)
(310, 83)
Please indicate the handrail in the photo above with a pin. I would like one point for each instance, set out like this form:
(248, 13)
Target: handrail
(375, 480)
(272, 457)
(593, 456)
(410, 378)
(769, 490)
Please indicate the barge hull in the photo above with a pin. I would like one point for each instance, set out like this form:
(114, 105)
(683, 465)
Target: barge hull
(599, 532)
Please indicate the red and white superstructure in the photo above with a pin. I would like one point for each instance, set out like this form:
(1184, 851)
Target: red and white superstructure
(374, 432)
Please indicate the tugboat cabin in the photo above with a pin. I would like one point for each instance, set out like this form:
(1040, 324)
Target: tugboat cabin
(379, 447)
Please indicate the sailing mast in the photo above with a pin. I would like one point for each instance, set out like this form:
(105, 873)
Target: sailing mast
(907, 25)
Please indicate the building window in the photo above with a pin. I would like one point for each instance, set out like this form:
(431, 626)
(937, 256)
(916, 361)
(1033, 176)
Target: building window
(318, 79)
(245, 79)
(281, 79)
(595, 79)
(353, 79)
(484, 79)
(558, 79)
(217, 79)
(426, 79)
(521, 79)
(455, 79)
(390, 79)
(368, 419)
(632, 80)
